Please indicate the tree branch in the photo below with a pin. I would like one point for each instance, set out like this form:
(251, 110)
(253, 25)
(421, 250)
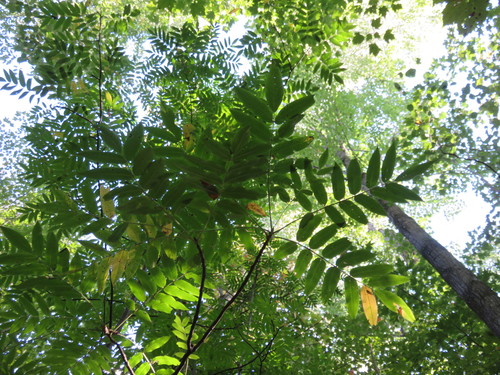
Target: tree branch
(219, 317)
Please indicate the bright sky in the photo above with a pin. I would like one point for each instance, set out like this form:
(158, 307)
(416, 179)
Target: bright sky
(449, 231)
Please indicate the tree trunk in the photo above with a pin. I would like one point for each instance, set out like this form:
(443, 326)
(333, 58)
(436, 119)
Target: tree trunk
(478, 296)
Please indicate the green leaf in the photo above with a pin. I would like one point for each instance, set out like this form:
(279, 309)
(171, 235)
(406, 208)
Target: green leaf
(89, 197)
(322, 236)
(314, 275)
(103, 157)
(302, 262)
(142, 159)
(288, 147)
(373, 172)
(288, 127)
(386, 195)
(37, 242)
(387, 281)
(108, 174)
(52, 249)
(335, 215)
(330, 281)
(274, 87)
(354, 257)
(16, 239)
(17, 258)
(372, 270)
(297, 183)
(323, 158)
(254, 104)
(389, 162)
(402, 191)
(395, 303)
(415, 171)
(238, 192)
(336, 248)
(303, 233)
(319, 191)
(354, 176)
(285, 250)
(353, 211)
(258, 128)
(374, 49)
(165, 360)
(338, 182)
(156, 343)
(351, 296)
(133, 142)
(303, 200)
(137, 290)
(370, 204)
(117, 232)
(110, 138)
(410, 73)
(294, 108)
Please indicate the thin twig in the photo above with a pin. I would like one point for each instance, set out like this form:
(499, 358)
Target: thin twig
(109, 333)
(471, 159)
(200, 297)
(219, 317)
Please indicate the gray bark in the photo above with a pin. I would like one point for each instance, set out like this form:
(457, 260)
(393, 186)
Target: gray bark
(477, 295)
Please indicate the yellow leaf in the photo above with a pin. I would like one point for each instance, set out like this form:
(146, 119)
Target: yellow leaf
(188, 131)
(118, 263)
(369, 303)
(167, 229)
(150, 227)
(254, 207)
(134, 232)
(101, 273)
(108, 206)
(109, 98)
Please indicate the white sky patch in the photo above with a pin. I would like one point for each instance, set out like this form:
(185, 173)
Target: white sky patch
(452, 230)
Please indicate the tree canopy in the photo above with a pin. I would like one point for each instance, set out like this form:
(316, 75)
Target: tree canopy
(186, 202)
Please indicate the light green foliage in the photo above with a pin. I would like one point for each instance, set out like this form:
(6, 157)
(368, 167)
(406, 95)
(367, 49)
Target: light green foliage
(167, 241)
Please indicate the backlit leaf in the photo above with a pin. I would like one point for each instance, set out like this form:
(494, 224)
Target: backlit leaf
(294, 108)
(354, 176)
(372, 270)
(336, 248)
(322, 236)
(370, 204)
(274, 87)
(402, 191)
(389, 162)
(137, 290)
(351, 296)
(353, 211)
(16, 239)
(330, 281)
(319, 191)
(286, 249)
(338, 182)
(306, 231)
(395, 303)
(369, 303)
(254, 207)
(415, 171)
(387, 280)
(108, 174)
(373, 172)
(302, 262)
(354, 257)
(108, 206)
(156, 343)
(254, 104)
(314, 275)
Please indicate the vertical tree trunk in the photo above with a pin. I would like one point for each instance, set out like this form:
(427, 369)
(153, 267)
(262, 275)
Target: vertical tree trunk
(478, 296)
